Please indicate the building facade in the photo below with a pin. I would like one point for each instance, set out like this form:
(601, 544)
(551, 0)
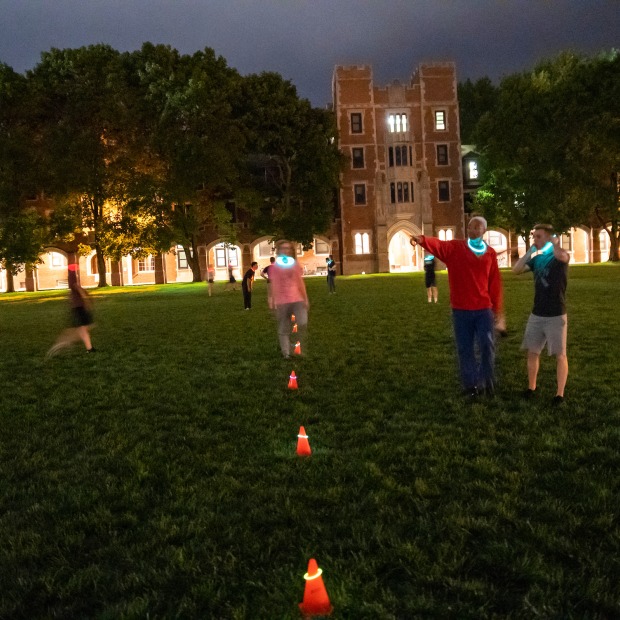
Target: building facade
(403, 174)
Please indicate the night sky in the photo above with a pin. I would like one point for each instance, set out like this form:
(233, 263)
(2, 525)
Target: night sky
(304, 39)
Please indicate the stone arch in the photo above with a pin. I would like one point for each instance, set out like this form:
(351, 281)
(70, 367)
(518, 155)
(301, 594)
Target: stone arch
(402, 258)
(217, 256)
(581, 244)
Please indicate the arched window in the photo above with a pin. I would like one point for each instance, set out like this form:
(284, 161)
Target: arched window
(362, 243)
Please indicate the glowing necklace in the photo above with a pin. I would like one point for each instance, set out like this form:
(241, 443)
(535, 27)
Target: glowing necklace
(477, 246)
(285, 261)
(429, 258)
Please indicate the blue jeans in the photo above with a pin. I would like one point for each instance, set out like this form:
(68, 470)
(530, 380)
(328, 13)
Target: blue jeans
(473, 327)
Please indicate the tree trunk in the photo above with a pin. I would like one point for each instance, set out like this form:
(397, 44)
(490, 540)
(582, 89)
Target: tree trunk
(101, 266)
(614, 250)
(191, 253)
(10, 284)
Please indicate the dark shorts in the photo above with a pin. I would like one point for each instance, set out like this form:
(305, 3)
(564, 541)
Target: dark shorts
(429, 279)
(231, 280)
(81, 317)
(210, 280)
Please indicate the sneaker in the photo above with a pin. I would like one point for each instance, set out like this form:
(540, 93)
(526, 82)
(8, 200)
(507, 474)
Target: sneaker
(529, 394)
(557, 401)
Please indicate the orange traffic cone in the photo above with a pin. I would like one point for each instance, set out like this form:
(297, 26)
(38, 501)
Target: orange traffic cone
(292, 381)
(295, 328)
(297, 350)
(292, 318)
(316, 602)
(303, 445)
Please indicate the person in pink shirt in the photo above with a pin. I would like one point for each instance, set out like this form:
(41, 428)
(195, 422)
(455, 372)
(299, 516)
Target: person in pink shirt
(289, 296)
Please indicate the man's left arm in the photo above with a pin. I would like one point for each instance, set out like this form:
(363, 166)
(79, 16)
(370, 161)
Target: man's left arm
(497, 297)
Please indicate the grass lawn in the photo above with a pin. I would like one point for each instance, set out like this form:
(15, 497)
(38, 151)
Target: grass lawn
(158, 477)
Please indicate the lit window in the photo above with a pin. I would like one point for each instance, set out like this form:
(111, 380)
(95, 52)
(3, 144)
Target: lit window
(357, 155)
(181, 258)
(356, 122)
(147, 263)
(265, 249)
(440, 120)
(472, 168)
(445, 234)
(362, 243)
(449, 234)
(321, 247)
(397, 123)
(58, 261)
(603, 239)
(443, 190)
(359, 190)
(442, 154)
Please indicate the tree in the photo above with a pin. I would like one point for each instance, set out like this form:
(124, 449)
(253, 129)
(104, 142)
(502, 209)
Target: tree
(475, 99)
(551, 145)
(88, 142)
(22, 230)
(194, 144)
(295, 162)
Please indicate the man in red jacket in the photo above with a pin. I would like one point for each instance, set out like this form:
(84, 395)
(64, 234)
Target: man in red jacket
(476, 300)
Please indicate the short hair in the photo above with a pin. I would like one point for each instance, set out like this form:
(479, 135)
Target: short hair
(253, 263)
(546, 227)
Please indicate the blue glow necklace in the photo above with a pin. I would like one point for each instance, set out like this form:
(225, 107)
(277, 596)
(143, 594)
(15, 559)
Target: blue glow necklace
(477, 246)
(285, 261)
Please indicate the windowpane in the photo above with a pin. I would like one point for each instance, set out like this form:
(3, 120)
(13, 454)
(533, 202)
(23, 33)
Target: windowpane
(449, 234)
(442, 154)
(181, 258)
(220, 257)
(443, 191)
(321, 247)
(358, 243)
(399, 189)
(391, 156)
(404, 152)
(356, 122)
(391, 123)
(399, 160)
(360, 194)
(358, 157)
(412, 194)
(397, 123)
(472, 168)
(440, 120)
(405, 192)
(365, 243)
(392, 193)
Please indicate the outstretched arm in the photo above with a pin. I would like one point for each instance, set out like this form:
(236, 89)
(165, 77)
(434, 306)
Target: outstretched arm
(521, 265)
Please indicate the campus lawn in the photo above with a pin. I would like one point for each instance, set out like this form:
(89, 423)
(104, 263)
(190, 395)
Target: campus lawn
(158, 478)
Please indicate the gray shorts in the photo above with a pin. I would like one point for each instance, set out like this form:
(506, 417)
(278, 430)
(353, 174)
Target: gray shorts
(549, 330)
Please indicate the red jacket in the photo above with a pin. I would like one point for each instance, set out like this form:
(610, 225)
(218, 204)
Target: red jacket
(475, 282)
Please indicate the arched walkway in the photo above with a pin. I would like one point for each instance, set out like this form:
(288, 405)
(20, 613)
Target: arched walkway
(219, 254)
(402, 257)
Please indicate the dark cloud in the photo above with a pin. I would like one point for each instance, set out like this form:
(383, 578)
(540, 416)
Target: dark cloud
(304, 39)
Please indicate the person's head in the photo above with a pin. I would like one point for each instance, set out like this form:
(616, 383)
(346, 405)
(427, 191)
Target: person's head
(284, 247)
(477, 227)
(272, 260)
(254, 266)
(542, 235)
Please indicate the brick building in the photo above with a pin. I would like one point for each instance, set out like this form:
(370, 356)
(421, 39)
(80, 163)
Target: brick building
(403, 175)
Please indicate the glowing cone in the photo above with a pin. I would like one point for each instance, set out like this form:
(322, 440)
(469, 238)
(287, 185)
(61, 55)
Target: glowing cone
(303, 446)
(293, 318)
(316, 602)
(295, 328)
(297, 350)
(292, 381)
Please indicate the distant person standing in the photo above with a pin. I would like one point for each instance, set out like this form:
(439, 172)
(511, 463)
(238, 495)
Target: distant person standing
(265, 274)
(547, 323)
(289, 296)
(232, 282)
(81, 316)
(247, 284)
(476, 300)
(210, 278)
(331, 274)
(430, 279)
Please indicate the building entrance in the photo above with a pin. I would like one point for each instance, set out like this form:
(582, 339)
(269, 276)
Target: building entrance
(403, 258)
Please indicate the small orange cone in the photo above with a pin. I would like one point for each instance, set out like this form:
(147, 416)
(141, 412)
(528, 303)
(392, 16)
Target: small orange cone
(303, 445)
(295, 328)
(297, 350)
(293, 318)
(292, 381)
(316, 602)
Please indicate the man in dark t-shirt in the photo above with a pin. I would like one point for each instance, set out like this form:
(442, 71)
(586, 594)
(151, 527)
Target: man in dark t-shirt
(548, 322)
(246, 285)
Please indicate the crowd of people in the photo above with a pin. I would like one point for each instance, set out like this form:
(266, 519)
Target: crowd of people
(476, 299)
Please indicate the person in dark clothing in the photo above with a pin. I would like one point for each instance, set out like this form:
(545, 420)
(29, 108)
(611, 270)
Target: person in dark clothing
(429, 278)
(265, 274)
(247, 284)
(81, 317)
(232, 281)
(331, 274)
(547, 324)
